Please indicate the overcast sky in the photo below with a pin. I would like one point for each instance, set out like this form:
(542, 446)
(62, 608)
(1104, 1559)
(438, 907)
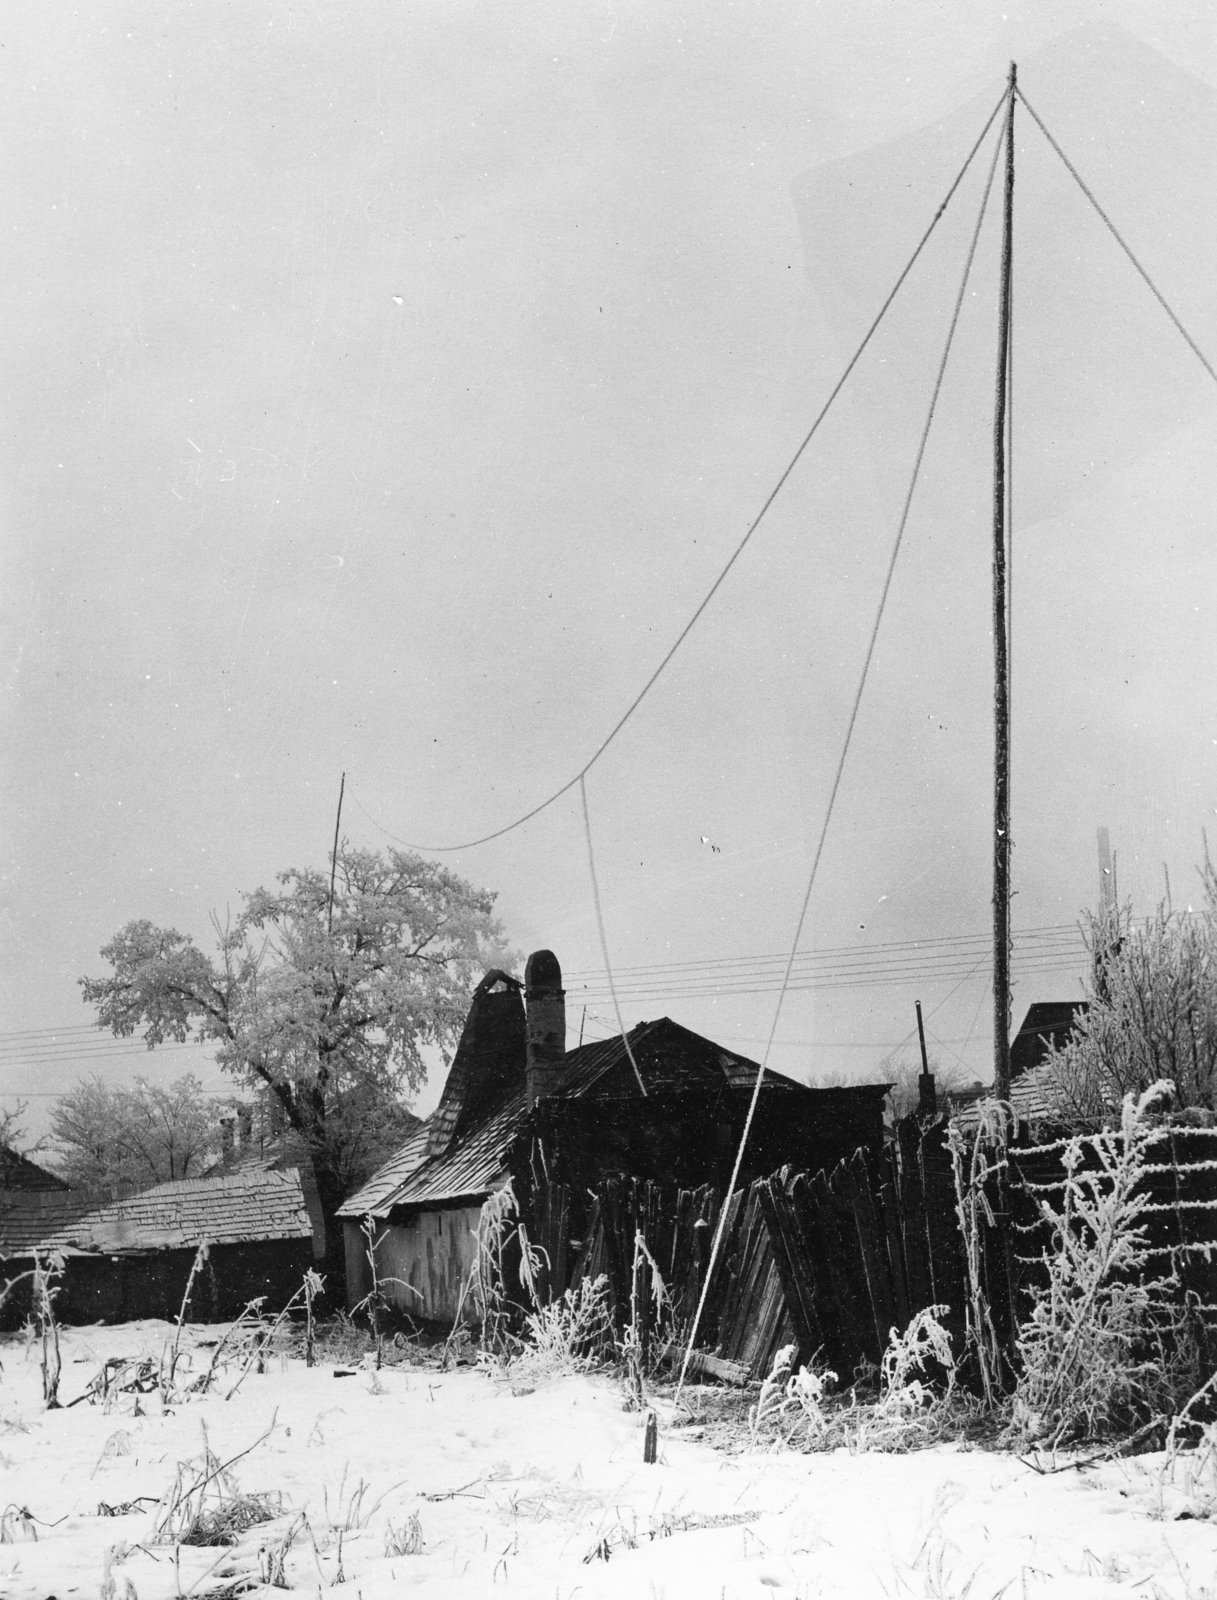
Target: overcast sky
(385, 385)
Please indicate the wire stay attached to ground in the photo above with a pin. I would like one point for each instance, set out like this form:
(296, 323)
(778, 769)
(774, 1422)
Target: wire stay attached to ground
(1118, 236)
(845, 744)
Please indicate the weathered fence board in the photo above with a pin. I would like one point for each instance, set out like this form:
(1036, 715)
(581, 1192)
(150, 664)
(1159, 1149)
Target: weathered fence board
(832, 1261)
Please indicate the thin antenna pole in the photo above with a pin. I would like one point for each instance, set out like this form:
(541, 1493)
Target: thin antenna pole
(925, 1062)
(329, 925)
(1001, 657)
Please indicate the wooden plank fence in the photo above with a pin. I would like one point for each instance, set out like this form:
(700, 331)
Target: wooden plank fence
(833, 1261)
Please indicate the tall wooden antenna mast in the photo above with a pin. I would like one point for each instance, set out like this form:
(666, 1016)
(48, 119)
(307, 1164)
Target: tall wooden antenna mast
(1001, 655)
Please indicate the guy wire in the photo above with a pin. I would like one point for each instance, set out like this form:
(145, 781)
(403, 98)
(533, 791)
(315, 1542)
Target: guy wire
(836, 783)
(1119, 238)
(608, 967)
(446, 849)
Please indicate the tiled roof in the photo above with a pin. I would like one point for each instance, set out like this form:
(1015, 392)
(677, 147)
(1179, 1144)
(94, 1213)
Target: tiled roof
(236, 1209)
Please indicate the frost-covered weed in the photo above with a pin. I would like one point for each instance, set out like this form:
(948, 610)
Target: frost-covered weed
(566, 1335)
(975, 1171)
(771, 1402)
(808, 1390)
(909, 1413)
(1088, 1364)
(923, 1342)
(639, 1344)
(1189, 1468)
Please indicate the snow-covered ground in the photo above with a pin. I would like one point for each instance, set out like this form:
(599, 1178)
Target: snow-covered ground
(525, 1493)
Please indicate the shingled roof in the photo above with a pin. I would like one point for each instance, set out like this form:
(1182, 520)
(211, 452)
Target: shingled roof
(237, 1209)
(28, 1216)
(672, 1060)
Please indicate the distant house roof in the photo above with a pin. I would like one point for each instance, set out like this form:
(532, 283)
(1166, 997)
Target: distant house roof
(19, 1172)
(1046, 1026)
(1034, 1096)
(28, 1216)
(237, 1209)
(672, 1060)
(1034, 1099)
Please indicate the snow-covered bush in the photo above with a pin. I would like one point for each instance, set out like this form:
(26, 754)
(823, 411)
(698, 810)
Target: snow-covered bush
(1088, 1356)
(1151, 1011)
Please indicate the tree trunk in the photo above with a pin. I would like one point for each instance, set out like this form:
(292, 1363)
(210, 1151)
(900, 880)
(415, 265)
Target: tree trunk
(330, 1193)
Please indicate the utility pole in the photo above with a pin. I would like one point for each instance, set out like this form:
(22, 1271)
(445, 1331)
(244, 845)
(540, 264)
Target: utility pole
(1107, 889)
(1001, 656)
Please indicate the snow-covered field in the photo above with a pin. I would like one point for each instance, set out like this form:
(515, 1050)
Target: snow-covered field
(526, 1492)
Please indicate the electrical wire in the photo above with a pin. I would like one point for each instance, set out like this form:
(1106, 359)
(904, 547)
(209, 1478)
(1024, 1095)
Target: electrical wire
(433, 849)
(608, 968)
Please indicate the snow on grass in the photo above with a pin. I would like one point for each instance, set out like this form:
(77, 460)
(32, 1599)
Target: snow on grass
(450, 1485)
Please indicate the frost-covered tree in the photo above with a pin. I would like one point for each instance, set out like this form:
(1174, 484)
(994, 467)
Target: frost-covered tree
(135, 1134)
(326, 1007)
(1151, 1012)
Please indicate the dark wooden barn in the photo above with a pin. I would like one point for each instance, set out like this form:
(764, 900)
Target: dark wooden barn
(520, 1109)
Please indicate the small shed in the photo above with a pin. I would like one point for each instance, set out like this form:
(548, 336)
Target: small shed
(661, 1103)
(131, 1258)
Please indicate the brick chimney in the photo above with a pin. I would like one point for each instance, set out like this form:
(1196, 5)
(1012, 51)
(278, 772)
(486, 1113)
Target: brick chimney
(245, 1123)
(545, 1026)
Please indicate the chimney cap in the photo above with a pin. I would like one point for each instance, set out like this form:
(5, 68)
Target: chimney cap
(542, 971)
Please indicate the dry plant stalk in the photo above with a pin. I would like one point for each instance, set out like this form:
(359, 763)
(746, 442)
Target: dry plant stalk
(203, 1505)
(636, 1342)
(45, 1290)
(313, 1285)
(406, 1540)
(375, 1302)
(972, 1207)
(249, 1315)
(168, 1372)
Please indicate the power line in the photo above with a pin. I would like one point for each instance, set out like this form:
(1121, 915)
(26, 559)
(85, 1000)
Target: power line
(1052, 948)
(846, 961)
(1048, 931)
(51, 1094)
